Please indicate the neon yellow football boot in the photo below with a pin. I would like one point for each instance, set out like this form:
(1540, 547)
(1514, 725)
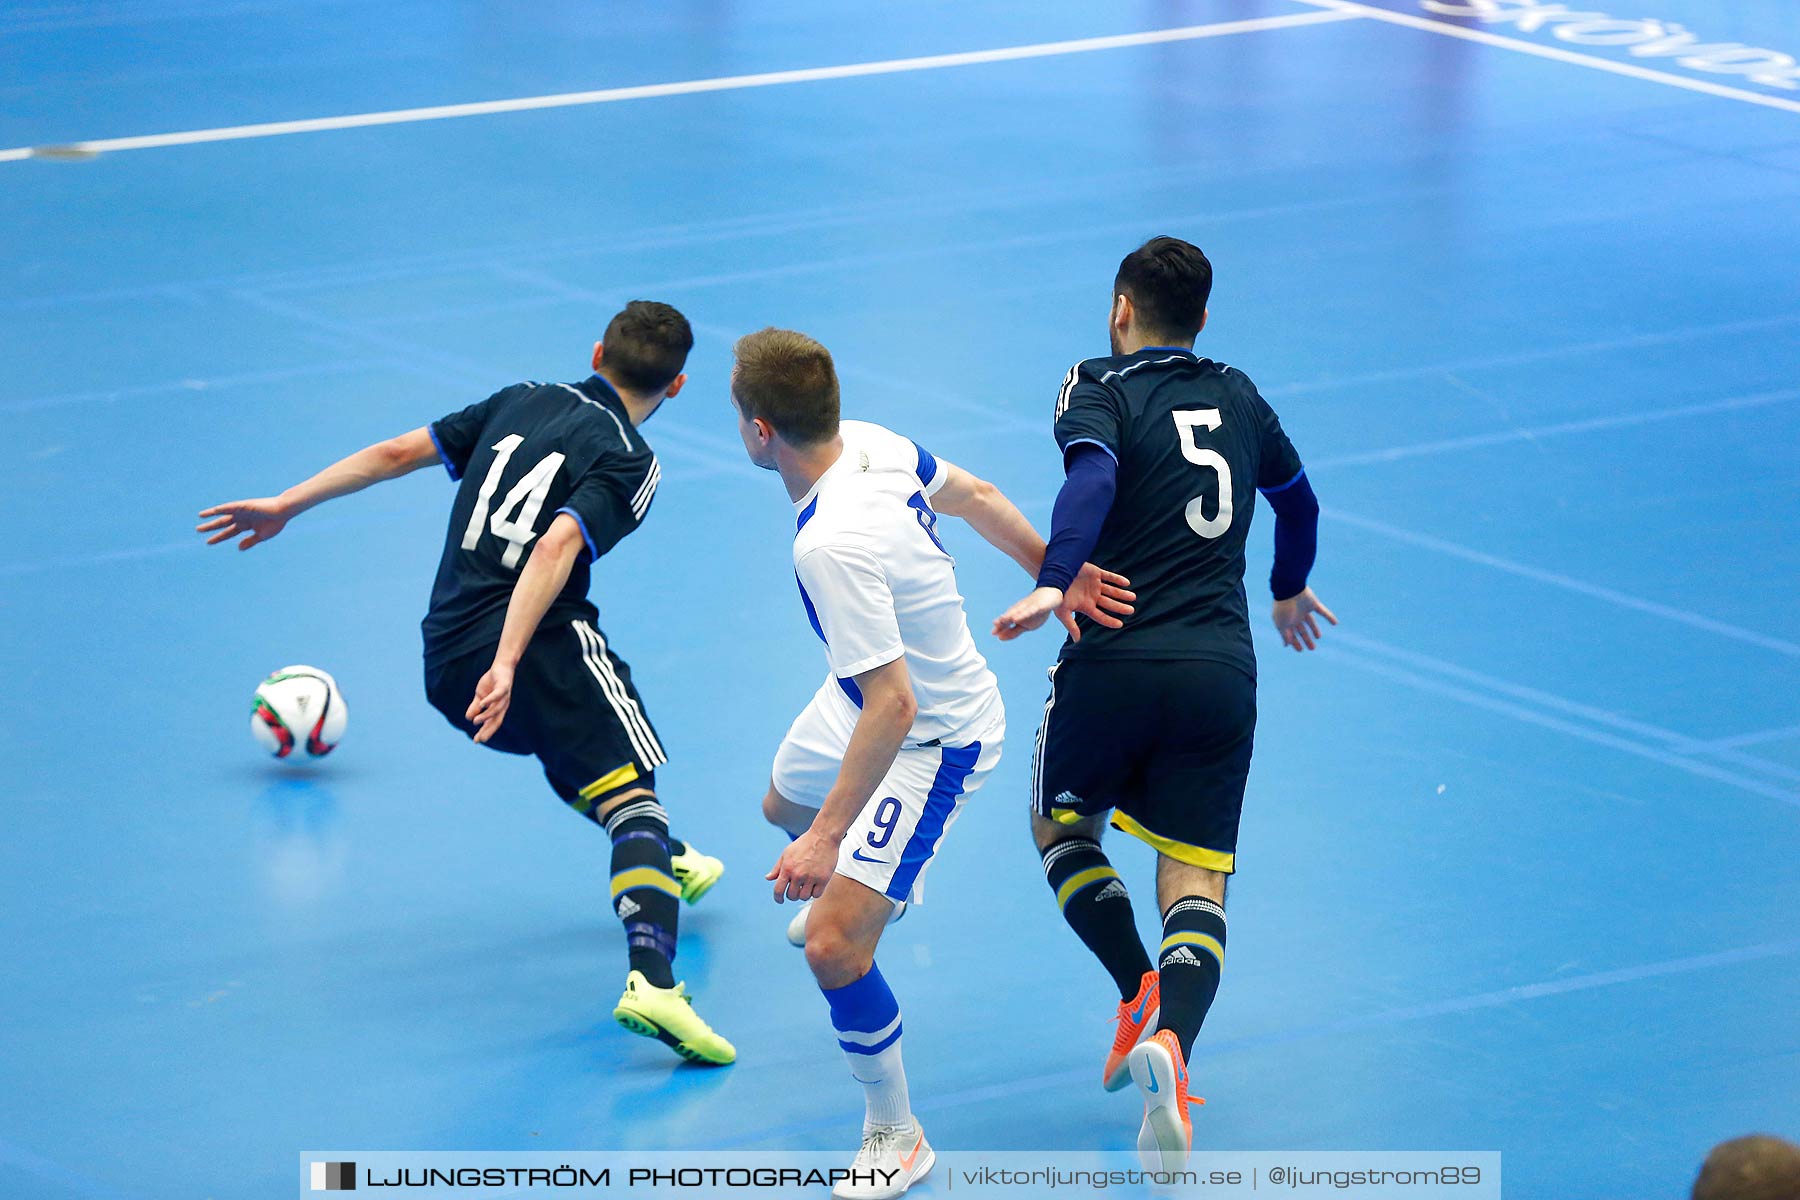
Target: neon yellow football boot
(667, 1015)
(695, 872)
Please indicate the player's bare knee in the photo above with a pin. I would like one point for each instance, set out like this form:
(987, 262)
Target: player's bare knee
(784, 814)
(1176, 879)
(774, 807)
(835, 958)
(1046, 833)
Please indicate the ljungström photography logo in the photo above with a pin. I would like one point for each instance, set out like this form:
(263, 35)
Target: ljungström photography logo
(334, 1177)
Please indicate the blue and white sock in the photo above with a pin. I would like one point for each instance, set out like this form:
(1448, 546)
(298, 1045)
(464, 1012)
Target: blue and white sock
(867, 1019)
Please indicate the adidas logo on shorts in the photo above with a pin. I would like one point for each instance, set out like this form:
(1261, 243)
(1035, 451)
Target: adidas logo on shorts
(1180, 954)
(628, 907)
(1112, 891)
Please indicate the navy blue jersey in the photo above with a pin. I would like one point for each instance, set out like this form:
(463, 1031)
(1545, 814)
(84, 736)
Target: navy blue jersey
(1193, 441)
(523, 455)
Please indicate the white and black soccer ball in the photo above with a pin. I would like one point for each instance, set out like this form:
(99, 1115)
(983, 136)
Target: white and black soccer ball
(298, 706)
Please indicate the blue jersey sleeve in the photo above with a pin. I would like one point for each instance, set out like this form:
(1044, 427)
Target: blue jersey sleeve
(1081, 508)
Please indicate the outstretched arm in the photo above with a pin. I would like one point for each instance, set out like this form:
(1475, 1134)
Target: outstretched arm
(543, 577)
(1092, 592)
(261, 519)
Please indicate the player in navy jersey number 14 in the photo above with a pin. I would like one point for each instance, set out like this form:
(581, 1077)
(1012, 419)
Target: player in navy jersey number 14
(1152, 722)
(552, 476)
(908, 722)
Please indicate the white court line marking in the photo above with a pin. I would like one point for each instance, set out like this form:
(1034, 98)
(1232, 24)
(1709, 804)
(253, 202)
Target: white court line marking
(1533, 433)
(1349, 8)
(563, 291)
(434, 364)
(1664, 337)
(1585, 733)
(1674, 742)
(195, 387)
(987, 1093)
(1622, 599)
(892, 66)
(1752, 739)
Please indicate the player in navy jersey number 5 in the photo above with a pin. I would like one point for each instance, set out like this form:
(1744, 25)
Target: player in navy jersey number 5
(1152, 722)
(552, 475)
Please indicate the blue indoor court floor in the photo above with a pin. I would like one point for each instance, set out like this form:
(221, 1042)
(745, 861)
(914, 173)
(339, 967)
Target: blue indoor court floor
(1520, 860)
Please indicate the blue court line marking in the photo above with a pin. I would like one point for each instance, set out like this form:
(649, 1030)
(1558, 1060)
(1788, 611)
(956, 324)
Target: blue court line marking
(19, 1158)
(1751, 739)
(193, 544)
(1002, 420)
(362, 271)
(1636, 341)
(189, 386)
(1753, 762)
(1538, 50)
(471, 379)
(440, 112)
(1502, 998)
(559, 291)
(1585, 733)
(1676, 742)
(1552, 578)
(1533, 433)
(57, 18)
(1085, 232)
(345, 518)
(1599, 716)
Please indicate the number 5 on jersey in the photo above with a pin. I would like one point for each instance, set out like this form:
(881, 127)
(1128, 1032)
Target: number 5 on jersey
(1204, 456)
(524, 501)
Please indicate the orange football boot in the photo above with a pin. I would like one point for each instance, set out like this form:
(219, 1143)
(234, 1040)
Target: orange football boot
(1136, 1018)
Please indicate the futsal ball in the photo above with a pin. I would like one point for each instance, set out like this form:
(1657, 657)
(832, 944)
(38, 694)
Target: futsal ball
(298, 706)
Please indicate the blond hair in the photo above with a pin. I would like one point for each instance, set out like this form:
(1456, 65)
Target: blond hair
(788, 380)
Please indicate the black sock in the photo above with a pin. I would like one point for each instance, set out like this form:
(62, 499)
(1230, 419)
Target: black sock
(644, 892)
(1097, 907)
(677, 847)
(1191, 958)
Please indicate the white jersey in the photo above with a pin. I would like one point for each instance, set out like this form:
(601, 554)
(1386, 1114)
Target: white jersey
(878, 585)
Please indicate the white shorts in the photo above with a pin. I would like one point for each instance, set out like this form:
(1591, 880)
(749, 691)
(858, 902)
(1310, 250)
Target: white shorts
(898, 832)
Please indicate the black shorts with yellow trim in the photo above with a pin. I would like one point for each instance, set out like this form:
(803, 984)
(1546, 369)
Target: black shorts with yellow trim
(573, 707)
(1163, 745)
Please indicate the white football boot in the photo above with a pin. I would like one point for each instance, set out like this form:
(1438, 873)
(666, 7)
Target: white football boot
(892, 1159)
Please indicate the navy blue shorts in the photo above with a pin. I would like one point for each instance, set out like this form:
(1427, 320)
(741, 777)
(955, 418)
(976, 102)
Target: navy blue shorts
(573, 707)
(1163, 745)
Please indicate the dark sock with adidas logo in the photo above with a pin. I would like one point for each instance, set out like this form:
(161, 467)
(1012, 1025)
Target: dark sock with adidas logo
(645, 895)
(1097, 907)
(1190, 961)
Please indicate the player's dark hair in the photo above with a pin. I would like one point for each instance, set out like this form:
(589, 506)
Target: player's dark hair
(1758, 1167)
(788, 380)
(1168, 281)
(646, 344)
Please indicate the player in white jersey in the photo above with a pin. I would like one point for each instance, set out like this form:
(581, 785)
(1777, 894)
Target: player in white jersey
(909, 721)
